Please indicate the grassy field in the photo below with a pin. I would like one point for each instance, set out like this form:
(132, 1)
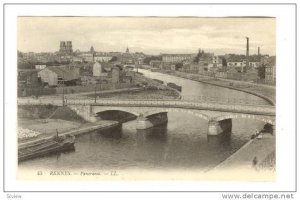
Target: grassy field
(47, 119)
(144, 94)
(48, 112)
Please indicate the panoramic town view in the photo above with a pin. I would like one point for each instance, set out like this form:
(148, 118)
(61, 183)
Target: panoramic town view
(146, 93)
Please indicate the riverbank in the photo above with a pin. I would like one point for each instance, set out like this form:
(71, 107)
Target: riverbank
(75, 130)
(257, 155)
(146, 89)
(144, 94)
(149, 83)
(47, 120)
(266, 92)
(47, 112)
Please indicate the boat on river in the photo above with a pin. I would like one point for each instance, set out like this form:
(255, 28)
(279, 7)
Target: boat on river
(159, 81)
(154, 70)
(174, 86)
(45, 147)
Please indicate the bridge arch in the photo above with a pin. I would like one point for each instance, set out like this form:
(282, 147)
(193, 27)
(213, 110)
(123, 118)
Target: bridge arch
(117, 110)
(267, 120)
(148, 111)
(116, 115)
(192, 112)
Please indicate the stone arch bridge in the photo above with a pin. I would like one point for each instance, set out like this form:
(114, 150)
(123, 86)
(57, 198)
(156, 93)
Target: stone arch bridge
(218, 116)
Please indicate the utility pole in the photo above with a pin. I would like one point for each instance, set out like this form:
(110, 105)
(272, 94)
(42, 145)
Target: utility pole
(95, 93)
(63, 91)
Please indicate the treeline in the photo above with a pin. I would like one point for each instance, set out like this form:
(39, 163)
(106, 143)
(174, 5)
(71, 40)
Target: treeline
(148, 59)
(31, 64)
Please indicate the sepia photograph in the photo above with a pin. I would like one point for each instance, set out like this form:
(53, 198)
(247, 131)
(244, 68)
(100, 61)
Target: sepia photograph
(149, 100)
(146, 98)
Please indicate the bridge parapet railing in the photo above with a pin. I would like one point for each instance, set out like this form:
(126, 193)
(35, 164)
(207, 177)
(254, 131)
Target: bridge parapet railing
(203, 99)
(152, 101)
(190, 98)
(221, 100)
(199, 100)
(258, 109)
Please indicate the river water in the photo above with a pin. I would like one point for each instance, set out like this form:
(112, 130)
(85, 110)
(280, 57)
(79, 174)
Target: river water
(181, 144)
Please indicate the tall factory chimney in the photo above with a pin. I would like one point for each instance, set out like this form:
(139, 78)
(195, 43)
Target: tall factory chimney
(247, 54)
(258, 54)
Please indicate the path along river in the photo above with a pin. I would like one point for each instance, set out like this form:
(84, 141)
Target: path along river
(182, 143)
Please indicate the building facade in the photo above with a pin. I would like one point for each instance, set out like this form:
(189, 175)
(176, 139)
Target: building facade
(155, 63)
(270, 70)
(115, 75)
(87, 57)
(40, 67)
(98, 69)
(55, 75)
(176, 57)
(65, 47)
(102, 58)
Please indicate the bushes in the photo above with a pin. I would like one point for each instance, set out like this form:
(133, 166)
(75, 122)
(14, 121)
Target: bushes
(151, 88)
(35, 112)
(65, 113)
(46, 111)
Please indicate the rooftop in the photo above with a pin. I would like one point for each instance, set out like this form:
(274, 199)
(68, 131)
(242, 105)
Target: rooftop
(65, 72)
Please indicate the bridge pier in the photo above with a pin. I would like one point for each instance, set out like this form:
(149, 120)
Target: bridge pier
(85, 111)
(218, 127)
(269, 128)
(143, 122)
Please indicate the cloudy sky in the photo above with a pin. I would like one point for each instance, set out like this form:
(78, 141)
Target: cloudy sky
(151, 35)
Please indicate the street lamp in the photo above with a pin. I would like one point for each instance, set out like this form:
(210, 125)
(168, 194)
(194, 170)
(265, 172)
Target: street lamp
(95, 93)
(63, 91)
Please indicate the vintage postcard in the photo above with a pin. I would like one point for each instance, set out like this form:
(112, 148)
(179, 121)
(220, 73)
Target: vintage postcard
(146, 98)
(151, 98)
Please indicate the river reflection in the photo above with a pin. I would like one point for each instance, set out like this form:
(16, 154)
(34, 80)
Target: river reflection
(181, 143)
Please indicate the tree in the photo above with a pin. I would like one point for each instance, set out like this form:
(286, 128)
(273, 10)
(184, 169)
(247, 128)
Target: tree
(114, 58)
(261, 71)
(224, 62)
(20, 54)
(26, 64)
(197, 58)
(148, 59)
(178, 65)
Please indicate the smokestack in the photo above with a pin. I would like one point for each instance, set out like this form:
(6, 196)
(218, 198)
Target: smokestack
(258, 51)
(247, 53)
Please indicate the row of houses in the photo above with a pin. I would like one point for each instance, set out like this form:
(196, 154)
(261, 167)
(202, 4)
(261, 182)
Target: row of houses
(123, 57)
(54, 76)
(176, 57)
(228, 66)
(59, 75)
(110, 73)
(92, 57)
